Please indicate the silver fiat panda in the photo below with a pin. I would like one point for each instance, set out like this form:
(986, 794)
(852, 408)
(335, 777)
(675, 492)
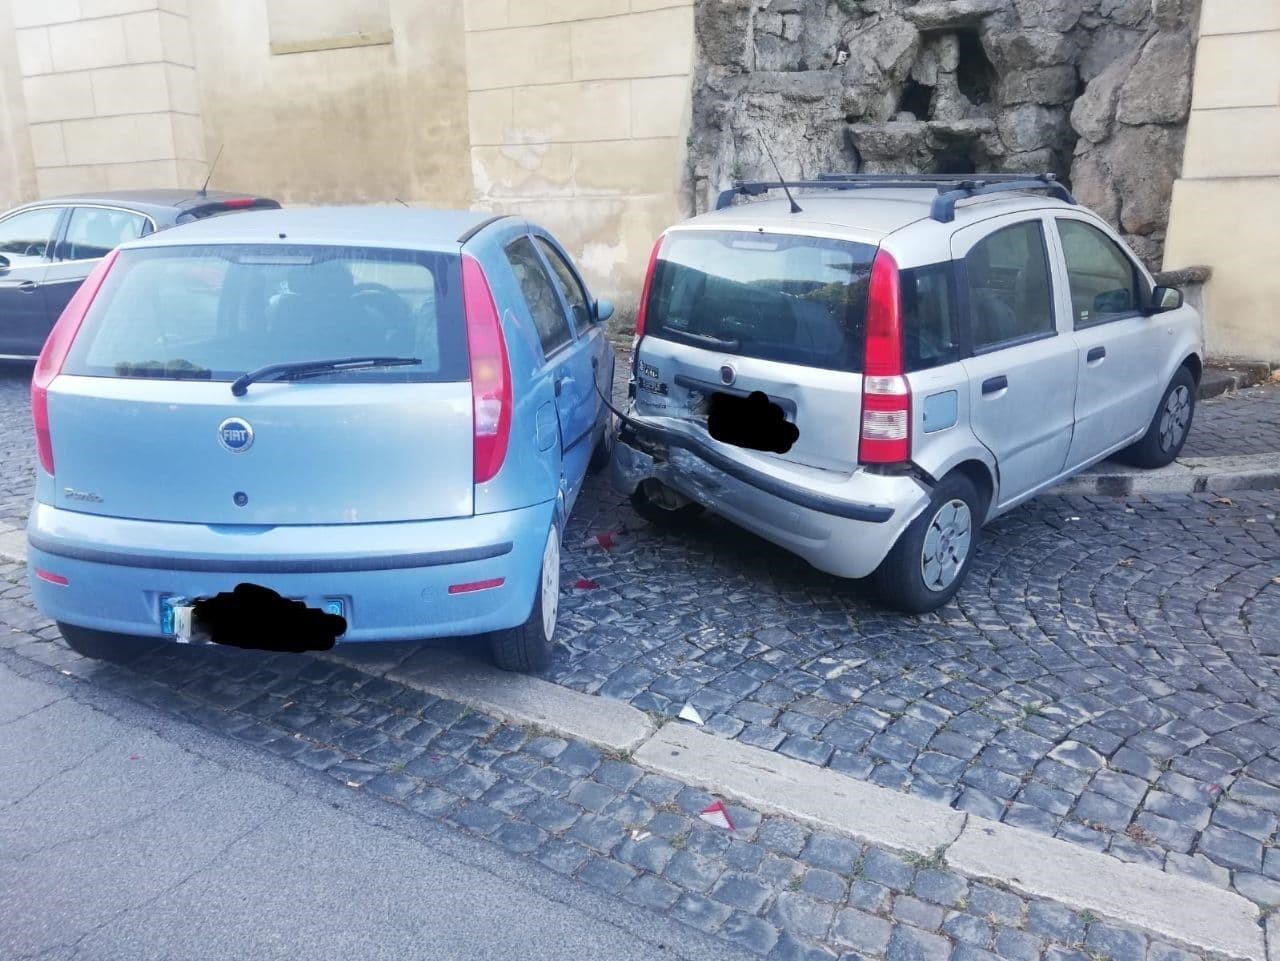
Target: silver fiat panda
(869, 371)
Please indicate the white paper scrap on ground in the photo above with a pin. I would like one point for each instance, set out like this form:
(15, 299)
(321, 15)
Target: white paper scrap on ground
(716, 814)
(690, 713)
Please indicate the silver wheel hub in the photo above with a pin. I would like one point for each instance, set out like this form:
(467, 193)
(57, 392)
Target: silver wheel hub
(1175, 417)
(946, 545)
(550, 586)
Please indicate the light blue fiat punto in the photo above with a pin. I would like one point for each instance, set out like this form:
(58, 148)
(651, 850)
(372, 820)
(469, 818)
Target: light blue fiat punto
(281, 428)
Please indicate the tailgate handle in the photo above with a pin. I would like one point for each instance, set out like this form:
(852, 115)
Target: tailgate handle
(1096, 354)
(993, 385)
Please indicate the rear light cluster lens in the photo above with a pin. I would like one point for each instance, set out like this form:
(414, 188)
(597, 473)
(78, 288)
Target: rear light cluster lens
(886, 395)
(643, 310)
(54, 355)
(490, 373)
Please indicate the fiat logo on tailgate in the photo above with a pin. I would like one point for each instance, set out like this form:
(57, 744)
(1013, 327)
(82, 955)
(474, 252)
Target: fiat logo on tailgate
(235, 435)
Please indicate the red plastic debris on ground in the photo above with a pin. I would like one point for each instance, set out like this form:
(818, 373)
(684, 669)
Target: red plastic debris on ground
(605, 540)
(716, 814)
(585, 584)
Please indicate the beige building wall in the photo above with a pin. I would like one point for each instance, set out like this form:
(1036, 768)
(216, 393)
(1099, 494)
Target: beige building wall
(579, 118)
(108, 90)
(344, 101)
(17, 172)
(1226, 207)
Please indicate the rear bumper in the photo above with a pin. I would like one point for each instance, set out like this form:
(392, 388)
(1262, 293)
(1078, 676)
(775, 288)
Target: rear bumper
(844, 525)
(393, 579)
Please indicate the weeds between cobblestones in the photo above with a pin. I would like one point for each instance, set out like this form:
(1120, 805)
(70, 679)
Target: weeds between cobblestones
(771, 885)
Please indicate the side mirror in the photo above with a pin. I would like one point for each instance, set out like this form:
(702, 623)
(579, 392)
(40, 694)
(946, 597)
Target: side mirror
(1165, 299)
(604, 310)
(4, 263)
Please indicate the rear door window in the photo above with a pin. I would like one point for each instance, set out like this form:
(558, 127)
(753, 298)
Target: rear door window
(1009, 293)
(930, 334)
(539, 292)
(216, 312)
(782, 297)
(94, 232)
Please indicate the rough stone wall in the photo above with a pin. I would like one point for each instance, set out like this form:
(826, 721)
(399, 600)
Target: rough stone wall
(1096, 91)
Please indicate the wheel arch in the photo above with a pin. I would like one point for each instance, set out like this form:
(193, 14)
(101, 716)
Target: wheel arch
(1194, 365)
(983, 478)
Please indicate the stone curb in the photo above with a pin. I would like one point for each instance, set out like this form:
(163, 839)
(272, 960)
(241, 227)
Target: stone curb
(1190, 475)
(1179, 909)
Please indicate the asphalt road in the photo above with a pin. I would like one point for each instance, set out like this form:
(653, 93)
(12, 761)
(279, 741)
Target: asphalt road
(127, 834)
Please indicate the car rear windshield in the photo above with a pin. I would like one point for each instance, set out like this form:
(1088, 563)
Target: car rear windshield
(218, 311)
(783, 297)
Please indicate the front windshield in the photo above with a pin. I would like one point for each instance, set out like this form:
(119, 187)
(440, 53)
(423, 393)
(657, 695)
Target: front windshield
(219, 311)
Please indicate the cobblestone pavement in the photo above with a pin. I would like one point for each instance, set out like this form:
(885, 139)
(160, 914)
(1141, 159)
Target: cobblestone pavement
(1245, 422)
(1106, 676)
(769, 885)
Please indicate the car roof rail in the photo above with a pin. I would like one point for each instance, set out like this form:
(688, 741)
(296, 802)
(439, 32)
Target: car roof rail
(951, 188)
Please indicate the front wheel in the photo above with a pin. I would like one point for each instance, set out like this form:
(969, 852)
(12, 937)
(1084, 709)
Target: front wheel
(102, 646)
(1168, 430)
(528, 647)
(927, 565)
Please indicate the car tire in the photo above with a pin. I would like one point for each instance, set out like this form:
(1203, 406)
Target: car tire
(661, 506)
(1169, 428)
(603, 451)
(528, 647)
(103, 646)
(927, 565)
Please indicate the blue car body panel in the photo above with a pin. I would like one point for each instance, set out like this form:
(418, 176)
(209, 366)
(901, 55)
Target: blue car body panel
(361, 498)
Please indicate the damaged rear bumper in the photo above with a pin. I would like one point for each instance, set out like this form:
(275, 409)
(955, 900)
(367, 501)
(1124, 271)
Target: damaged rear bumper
(841, 524)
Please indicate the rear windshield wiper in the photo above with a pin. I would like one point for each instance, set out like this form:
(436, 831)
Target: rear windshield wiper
(304, 368)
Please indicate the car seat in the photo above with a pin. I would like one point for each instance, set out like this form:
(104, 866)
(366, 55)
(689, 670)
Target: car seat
(993, 319)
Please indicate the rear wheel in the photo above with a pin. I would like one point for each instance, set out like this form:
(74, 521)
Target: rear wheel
(102, 646)
(660, 505)
(929, 562)
(1168, 431)
(528, 647)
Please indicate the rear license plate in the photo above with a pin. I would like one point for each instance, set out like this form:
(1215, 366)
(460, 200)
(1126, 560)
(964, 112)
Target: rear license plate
(754, 422)
(254, 617)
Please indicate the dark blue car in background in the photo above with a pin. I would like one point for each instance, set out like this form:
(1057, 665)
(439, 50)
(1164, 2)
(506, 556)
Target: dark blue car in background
(48, 247)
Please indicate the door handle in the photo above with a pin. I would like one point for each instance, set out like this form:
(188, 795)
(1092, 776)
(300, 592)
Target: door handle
(993, 385)
(1096, 354)
(562, 382)
(28, 286)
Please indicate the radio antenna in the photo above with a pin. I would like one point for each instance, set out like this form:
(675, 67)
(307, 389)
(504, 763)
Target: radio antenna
(204, 189)
(795, 207)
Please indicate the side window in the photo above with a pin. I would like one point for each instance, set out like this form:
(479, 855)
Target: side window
(1105, 285)
(26, 236)
(569, 286)
(94, 232)
(930, 337)
(540, 294)
(1010, 297)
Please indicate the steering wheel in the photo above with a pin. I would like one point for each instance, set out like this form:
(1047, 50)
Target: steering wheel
(34, 250)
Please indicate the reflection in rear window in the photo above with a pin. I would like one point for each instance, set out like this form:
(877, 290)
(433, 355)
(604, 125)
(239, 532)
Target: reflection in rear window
(795, 299)
(218, 311)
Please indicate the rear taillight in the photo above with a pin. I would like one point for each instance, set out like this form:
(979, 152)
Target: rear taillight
(643, 310)
(886, 396)
(54, 355)
(490, 373)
